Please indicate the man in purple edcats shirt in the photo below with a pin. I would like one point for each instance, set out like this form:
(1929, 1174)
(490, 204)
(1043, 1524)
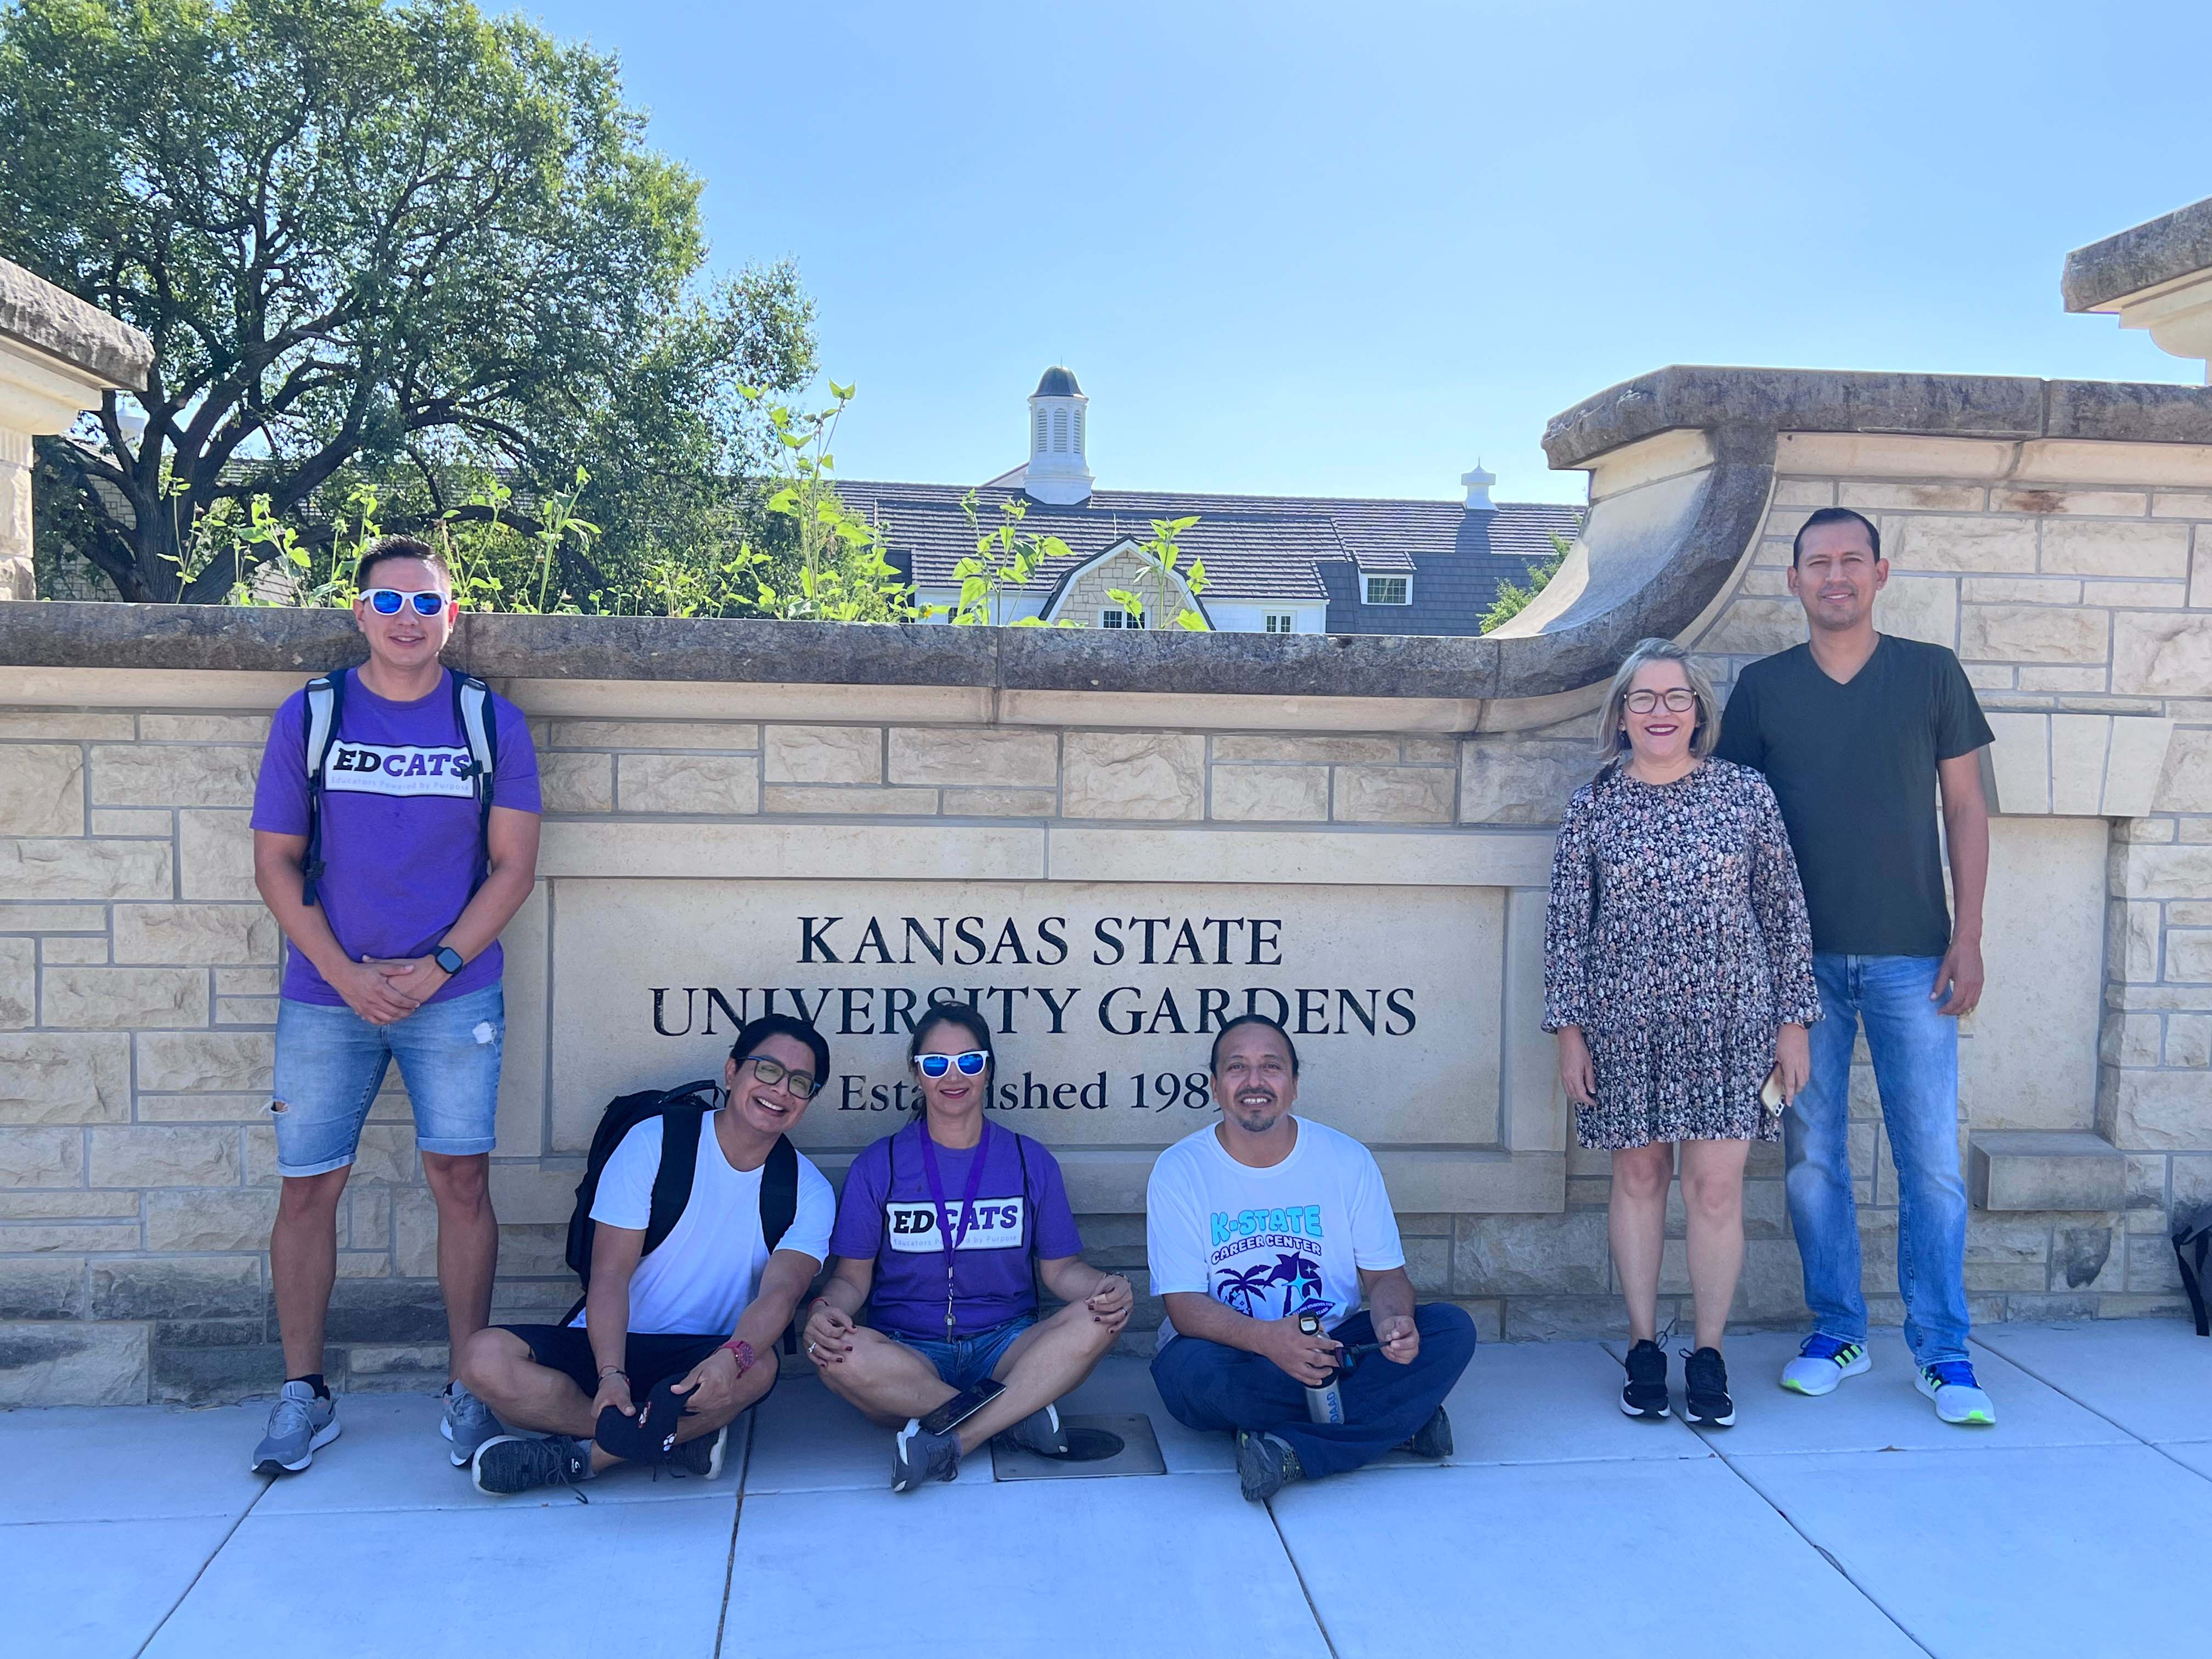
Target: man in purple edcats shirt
(937, 1229)
(394, 955)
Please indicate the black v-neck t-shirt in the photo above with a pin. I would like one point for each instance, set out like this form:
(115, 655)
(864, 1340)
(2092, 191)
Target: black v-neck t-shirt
(1853, 766)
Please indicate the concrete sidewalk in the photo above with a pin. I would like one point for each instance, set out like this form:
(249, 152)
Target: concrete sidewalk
(1857, 1524)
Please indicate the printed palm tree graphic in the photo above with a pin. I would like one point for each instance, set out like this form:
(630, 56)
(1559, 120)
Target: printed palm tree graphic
(1294, 1274)
(1244, 1289)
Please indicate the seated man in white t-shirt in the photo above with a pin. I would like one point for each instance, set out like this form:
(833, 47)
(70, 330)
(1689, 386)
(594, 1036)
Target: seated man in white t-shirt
(707, 1305)
(1262, 1233)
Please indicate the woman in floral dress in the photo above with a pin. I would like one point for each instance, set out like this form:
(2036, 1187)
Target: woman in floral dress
(1678, 974)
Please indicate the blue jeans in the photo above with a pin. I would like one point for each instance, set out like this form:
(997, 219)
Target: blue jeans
(1206, 1385)
(1915, 1067)
(965, 1360)
(330, 1063)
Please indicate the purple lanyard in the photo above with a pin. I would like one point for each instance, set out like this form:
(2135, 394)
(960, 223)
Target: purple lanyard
(952, 1242)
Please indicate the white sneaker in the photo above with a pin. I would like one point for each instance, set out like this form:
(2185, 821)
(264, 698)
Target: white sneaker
(1822, 1361)
(1958, 1399)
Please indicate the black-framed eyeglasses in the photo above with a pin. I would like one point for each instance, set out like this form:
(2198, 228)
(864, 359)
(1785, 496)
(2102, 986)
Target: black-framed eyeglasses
(971, 1064)
(772, 1073)
(389, 601)
(1680, 701)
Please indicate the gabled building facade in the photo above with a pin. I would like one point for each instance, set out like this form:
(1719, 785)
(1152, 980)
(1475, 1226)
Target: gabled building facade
(1280, 564)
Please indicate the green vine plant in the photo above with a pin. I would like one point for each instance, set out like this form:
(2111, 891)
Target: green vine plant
(1006, 556)
(842, 572)
(1162, 553)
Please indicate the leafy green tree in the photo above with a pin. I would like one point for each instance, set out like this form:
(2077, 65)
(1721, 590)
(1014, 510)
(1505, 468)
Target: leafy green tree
(391, 244)
(1513, 599)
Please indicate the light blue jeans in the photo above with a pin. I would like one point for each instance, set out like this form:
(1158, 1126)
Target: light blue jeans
(1915, 1067)
(330, 1063)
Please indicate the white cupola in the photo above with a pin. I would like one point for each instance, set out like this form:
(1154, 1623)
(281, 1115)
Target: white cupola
(1057, 472)
(1478, 484)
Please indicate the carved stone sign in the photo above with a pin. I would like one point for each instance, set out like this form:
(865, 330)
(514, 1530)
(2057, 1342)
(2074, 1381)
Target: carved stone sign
(1102, 999)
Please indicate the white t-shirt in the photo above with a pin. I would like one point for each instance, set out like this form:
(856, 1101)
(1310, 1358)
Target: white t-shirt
(1270, 1242)
(706, 1272)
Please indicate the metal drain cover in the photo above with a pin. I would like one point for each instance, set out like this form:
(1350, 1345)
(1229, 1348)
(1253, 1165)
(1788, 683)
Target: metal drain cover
(1106, 1444)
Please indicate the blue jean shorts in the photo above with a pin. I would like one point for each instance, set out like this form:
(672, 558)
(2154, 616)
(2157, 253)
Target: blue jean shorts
(964, 1360)
(330, 1063)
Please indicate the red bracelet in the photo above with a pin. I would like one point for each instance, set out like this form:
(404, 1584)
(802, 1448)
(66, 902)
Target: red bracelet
(741, 1351)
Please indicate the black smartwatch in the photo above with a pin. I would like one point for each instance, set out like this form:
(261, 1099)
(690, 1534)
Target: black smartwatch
(449, 959)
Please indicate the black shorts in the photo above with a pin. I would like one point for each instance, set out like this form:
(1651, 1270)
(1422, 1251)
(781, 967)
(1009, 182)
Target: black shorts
(649, 1358)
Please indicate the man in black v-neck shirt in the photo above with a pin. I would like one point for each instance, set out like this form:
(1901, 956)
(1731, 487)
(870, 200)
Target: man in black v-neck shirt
(1859, 733)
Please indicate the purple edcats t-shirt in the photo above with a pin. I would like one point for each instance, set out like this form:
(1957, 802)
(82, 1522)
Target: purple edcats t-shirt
(401, 835)
(886, 1215)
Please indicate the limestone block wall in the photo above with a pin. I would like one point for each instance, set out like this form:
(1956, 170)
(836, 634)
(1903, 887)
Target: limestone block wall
(138, 974)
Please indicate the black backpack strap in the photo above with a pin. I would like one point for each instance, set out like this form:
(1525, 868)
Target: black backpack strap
(679, 1162)
(478, 724)
(779, 1192)
(326, 702)
(2190, 1249)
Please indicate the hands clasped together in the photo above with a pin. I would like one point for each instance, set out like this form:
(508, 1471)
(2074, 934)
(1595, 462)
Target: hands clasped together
(384, 990)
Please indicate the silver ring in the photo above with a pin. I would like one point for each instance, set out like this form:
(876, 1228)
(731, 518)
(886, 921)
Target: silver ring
(810, 1351)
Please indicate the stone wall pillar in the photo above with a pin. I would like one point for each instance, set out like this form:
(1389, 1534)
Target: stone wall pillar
(16, 577)
(58, 357)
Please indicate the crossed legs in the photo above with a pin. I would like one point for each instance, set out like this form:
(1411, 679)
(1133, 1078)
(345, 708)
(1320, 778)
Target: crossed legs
(497, 1368)
(889, 1382)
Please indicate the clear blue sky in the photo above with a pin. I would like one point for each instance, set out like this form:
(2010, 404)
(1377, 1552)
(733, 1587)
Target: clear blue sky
(1339, 250)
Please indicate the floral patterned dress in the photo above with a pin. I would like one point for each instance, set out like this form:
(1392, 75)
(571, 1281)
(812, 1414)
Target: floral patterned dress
(1677, 939)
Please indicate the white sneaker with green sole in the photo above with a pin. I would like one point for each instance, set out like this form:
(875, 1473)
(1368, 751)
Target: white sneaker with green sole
(1958, 1399)
(1822, 1361)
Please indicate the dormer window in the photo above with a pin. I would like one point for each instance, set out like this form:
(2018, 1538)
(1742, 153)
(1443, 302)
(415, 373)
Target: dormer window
(1388, 590)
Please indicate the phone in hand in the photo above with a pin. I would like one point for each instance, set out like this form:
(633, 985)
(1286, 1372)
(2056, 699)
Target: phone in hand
(962, 1407)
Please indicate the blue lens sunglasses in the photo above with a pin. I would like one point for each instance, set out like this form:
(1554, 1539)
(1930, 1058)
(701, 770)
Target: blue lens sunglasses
(387, 601)
(971, 1064)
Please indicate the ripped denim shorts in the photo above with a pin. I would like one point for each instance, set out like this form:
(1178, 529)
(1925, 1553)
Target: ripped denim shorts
(330, 1063)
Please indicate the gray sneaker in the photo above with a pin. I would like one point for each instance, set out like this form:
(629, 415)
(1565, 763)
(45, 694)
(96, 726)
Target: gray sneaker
(917, 1456)
(468, 1424)
(300, 1425)
(1040, 1432)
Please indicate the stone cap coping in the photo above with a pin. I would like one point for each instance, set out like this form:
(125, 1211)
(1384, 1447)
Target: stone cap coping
(102, 348)
(2161, 250)
(64, 634)
(1770, 400)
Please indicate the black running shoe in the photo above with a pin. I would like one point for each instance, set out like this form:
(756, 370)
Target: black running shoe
(1705, 1398)
(701, 1457)
(1644, 1393)
(1265, 1465)
(511, 1463)
(1433, 1438)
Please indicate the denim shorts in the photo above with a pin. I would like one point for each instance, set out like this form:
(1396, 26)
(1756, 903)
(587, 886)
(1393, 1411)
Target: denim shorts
(964, 1360)
(330, 1063)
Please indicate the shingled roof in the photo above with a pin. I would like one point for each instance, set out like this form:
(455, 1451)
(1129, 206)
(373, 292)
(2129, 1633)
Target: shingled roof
(1255, 547)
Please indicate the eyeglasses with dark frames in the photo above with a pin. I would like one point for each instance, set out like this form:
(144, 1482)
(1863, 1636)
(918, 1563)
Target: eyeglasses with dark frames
(774, 1073)
(1679, 700)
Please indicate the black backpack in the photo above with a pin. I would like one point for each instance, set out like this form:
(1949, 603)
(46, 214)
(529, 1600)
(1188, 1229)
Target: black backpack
(679, 1110)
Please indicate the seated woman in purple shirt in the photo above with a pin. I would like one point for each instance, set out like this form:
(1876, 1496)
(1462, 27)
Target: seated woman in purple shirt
(944, 1228)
